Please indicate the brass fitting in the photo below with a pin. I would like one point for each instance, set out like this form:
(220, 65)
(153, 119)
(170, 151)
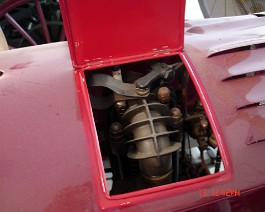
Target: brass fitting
(163, 95)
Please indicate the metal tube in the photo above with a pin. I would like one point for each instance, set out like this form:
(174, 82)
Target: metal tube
(20, 29)
(42, 21)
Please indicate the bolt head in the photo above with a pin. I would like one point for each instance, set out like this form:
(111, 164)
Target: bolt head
(116, 128)
(163, 95)
(176, 113)
(121, 106)
(142, 91)
(204, 123)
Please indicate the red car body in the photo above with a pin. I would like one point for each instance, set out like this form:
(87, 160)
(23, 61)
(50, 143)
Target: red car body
(49, 151)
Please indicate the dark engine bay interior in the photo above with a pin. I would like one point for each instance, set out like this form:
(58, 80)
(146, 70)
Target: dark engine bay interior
(151, 125)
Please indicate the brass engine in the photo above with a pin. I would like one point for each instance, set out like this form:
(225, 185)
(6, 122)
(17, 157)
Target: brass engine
(146, 125)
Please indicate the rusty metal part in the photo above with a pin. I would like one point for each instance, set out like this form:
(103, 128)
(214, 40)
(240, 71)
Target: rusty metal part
(199, 107)
(142, 91)
(103, 102)
(147, 122)
(178, 124)
(120, 94)
(158, 180)
(204, 124)
(158, 70)
(163, 95)
(176, 113)
(139, 89)
(212, 141)
(192, 117)
(199, 126)
(119, 87)
(116, 132)
(199, 131)
(120, 107)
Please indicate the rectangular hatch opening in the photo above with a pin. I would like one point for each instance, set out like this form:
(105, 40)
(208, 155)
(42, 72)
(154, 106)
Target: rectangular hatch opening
(151, 125)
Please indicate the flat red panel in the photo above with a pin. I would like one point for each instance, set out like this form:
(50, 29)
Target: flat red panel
(102, 33)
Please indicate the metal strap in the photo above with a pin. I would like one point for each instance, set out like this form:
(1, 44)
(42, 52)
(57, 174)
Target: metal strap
(119, 87)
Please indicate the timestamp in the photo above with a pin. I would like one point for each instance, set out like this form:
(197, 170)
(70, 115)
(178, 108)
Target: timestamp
(216, 192)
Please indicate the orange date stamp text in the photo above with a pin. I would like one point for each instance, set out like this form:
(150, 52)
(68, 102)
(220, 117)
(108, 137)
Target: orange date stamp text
(216, 192)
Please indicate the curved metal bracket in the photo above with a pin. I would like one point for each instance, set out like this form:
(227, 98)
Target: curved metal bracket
(119, 87)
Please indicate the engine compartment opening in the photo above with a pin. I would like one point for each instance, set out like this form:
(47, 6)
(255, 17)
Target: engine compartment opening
(151, 125)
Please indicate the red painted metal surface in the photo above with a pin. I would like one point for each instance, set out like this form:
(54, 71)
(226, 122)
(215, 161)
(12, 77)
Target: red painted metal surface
(240, 36)
(102, 33)
(49, 151)
(184, 195)
(239, 127)
(43, 149)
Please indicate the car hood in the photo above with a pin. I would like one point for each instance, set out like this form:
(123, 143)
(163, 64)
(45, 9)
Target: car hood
(228, 56)
(102, 33)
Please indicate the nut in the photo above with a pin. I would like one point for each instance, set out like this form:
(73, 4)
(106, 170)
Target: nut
(115, 127)
(176, 113)
(163, 95)
(142, 91)
(121, 106)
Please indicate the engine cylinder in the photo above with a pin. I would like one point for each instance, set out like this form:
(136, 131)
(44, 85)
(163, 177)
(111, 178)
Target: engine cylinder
(147, 121)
